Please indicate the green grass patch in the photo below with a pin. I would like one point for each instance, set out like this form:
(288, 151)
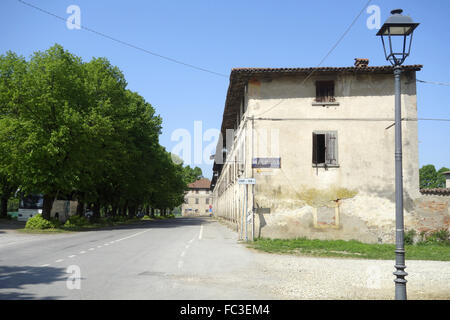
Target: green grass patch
(351, 249)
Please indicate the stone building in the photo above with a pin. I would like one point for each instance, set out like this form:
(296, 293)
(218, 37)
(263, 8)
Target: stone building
(320, 144)
(198, 200)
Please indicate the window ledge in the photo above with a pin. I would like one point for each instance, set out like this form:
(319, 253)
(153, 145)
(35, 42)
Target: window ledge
(322, 165)
(325, 104)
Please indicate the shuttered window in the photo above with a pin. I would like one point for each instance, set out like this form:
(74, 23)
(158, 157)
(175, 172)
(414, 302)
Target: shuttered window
(325, 91)
(324, 150)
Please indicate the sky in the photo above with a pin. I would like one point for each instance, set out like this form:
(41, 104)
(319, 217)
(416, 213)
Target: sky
(221, 35)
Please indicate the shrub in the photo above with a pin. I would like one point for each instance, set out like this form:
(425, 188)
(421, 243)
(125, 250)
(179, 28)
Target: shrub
(38, 223)
(76, 221)
(435, 237)
(146, 217)
(409, 236)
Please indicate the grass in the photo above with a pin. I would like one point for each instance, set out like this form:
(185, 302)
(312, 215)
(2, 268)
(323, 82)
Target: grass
(101, 224)
(351, 249)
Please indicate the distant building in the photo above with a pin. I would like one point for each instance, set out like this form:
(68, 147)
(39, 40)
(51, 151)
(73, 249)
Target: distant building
(198, 200)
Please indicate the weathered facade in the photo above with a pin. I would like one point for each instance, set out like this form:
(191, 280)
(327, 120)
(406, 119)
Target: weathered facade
(320, 144)
(198, 199)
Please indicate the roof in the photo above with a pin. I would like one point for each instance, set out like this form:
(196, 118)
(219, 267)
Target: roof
(436, 191)
(203, 183)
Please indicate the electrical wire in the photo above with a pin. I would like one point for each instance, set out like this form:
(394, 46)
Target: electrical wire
(434, 82)
(126, 43)
(329, 52)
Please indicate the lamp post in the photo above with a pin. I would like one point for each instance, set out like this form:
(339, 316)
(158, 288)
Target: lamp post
(398, 29)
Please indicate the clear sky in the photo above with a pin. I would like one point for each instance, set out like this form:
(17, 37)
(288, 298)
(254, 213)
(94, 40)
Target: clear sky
(221, 35)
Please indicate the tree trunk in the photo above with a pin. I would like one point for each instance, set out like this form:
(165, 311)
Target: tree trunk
(153, 212)
(4, 206)
(131, 211)
(96, 210)
(47, 206)
(80, 208)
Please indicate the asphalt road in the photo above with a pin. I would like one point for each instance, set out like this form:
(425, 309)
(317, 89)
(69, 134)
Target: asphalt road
(191, 258)
(180, 258)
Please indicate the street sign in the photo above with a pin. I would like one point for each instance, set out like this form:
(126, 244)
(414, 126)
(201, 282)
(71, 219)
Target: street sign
(247, 181)
(266, 163)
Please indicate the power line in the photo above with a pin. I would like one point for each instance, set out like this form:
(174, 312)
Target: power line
(126, 43)
(434, 82)
(339, 40)
(330, 51)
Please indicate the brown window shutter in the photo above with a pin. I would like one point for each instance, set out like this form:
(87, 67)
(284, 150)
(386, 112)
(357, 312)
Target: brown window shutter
(314, 149)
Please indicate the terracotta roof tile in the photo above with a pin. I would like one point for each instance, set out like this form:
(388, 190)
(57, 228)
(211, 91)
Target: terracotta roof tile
(437, 191)
(203, 183)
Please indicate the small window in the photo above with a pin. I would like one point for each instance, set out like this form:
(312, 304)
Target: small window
(325, 91)
(196, 200)
(325, 148)
(207, 200)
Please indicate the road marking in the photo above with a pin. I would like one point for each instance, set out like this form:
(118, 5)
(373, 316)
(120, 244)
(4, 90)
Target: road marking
(72, 256)
(90, 249)
(190, 241)
(99, 246)
(59, 260)
(201, 233)
(133, 235)
(106, 244)
(180, 264)
(45, 265)
(187, 246)
(82, 252)
(183, 253)
(5, 277)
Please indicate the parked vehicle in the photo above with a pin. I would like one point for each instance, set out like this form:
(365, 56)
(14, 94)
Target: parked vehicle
(31, 205)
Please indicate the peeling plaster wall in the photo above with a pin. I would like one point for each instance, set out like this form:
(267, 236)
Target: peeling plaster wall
(352, 201)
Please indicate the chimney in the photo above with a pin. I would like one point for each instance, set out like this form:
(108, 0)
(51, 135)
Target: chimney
(447, 178)
(361, 63)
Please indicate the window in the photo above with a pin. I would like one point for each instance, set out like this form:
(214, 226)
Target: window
(325, 148)
(196, 200)
(207, 200)
(325, 91)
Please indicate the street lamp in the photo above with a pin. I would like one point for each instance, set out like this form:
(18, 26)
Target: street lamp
(398, 29)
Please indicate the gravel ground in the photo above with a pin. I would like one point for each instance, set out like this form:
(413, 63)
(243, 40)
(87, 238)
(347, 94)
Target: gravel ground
(332, 278)
(286, 276)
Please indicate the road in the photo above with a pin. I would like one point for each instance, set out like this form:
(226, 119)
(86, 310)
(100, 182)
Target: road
(190, 258)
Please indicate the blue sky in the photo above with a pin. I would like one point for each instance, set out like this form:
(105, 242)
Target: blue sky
(220, 35)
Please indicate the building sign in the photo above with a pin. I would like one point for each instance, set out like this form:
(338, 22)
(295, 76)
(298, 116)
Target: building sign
(247, 181)
(266, 163)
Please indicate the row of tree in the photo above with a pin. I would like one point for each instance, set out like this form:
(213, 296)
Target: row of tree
(72, 128)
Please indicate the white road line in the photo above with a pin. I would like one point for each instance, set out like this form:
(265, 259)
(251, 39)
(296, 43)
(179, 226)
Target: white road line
(59, 260)
(5, 277)
(99, 246)
(183, 253)
(72, 256)
(180, 264)
(133, 235)
(201, 233)
(82, 252)
(90, 249)
(190, 241)
(45, 265)
(187, 246)
(106, 244)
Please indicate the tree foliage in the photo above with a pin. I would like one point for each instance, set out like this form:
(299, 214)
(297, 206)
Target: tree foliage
(72, 128)
(430, 178)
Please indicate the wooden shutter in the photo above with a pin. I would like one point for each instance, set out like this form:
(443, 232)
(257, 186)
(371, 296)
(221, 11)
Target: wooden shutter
(330, 148)
(314, 149)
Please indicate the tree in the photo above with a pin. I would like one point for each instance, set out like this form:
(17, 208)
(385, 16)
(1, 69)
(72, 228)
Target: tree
(430, 178)
(12, 72)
